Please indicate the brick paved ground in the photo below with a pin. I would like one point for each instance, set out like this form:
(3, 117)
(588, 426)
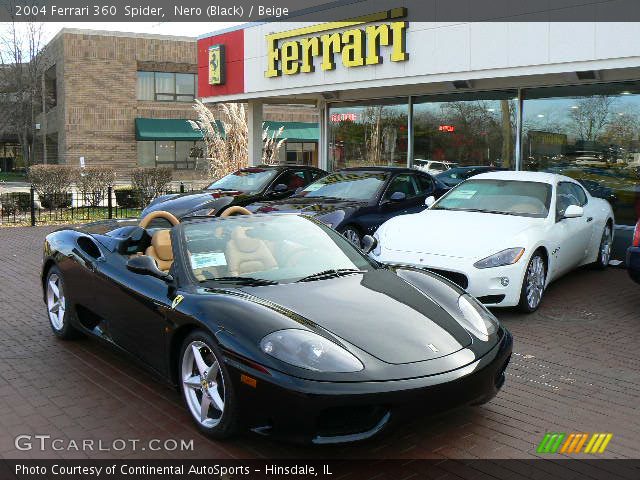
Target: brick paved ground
(575, 367)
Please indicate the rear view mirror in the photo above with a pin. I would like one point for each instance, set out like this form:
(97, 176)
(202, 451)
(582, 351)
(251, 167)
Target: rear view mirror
(146, 265)
(280, 188)
(397, 196)
(573, 211)
(429, 201)
(368, 243)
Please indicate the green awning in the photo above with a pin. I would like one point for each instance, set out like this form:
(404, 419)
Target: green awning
(295, 131)
(168, 129)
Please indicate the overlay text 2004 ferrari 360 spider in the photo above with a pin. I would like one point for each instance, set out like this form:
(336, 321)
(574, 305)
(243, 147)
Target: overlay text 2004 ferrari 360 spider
(275, 323)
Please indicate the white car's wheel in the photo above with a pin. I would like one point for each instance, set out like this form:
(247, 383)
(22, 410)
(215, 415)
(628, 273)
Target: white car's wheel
(604, 250)
(533, 284)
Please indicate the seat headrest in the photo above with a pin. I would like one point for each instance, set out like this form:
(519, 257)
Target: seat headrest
(161, 242)
(244, 243)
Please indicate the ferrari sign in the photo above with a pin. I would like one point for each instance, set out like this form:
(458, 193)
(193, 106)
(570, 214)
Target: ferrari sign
(216, 65)
(357, 46)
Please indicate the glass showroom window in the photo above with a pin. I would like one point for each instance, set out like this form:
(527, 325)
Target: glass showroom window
(164, 86)
(368, 134)
(467, 129)
(590, 133)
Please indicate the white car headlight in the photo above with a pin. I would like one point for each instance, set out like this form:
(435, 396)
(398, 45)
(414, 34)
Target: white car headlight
(306, 349)
(477, 318)
(504, 257)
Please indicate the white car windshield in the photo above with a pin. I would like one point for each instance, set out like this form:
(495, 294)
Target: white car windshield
(506, 197)
(267, 250)
(346, 185)
(245, 180)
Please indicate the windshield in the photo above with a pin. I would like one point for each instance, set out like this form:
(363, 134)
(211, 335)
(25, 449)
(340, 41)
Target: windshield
(506, 197)
(246, 180)
(346, 185)
(275, 248)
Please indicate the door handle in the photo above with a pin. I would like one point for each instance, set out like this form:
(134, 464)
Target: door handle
(589, 219)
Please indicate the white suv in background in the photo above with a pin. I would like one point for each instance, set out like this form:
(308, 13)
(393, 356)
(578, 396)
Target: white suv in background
(431, 166)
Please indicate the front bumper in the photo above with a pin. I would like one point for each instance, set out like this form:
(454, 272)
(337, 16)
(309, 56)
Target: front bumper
(633, 263)
(330, 412)
(486, 284)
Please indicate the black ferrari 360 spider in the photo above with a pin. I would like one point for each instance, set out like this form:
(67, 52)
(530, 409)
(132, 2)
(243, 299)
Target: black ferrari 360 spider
(274, 323)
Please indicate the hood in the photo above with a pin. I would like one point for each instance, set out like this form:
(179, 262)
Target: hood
(377, 312)
(318, 207)
(185, 203)
(456, 234)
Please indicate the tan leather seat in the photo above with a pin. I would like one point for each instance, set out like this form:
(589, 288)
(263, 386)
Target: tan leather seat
(247, 255)
(161, 250)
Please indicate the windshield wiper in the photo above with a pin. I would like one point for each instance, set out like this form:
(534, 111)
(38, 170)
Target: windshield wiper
(245, 281)
(331, 273)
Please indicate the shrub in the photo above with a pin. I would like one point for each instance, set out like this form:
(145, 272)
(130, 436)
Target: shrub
(52, 183)
(150, 182)
(93, 183)
(15, 203)
(127, 198)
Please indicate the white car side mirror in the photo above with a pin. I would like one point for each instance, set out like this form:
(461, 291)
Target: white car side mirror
(430, 200)
(573, 211)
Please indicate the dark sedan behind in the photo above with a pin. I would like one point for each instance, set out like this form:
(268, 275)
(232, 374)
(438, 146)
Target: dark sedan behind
(454, 176)
(241, 188)
(356, 201)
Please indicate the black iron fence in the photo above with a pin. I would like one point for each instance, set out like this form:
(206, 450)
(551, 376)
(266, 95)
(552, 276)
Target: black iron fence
(29, 208)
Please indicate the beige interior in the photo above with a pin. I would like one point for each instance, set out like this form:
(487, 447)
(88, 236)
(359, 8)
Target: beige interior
(161, 250)
(247, 255)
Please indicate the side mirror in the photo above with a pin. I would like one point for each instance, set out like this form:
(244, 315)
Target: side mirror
(280, 188)
(145, 265)
(397, 197)
(429, 201)
(369, 243)
(573, 211)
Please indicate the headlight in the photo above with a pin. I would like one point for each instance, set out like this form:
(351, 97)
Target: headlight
(378, 250)
(308, 350)
(504, 257)
(477, 318)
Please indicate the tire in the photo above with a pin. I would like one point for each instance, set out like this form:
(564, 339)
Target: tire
(533, 283)
(604, 249)
(352, 234)
(220, 417)
(59, 310)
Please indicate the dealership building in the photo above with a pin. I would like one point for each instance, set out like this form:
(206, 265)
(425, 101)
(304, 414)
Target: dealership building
(125, 100)
(522, 94)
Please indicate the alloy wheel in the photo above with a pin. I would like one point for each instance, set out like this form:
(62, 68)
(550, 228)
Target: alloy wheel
(203, 384)
(605, 246)
(535, 282)
(352, 236)
(56, 303)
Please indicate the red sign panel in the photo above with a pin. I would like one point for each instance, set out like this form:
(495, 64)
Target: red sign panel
(340, 117)
(447, 128)
(233, 67)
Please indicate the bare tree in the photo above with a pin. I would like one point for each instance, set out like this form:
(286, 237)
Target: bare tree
(591, 116)
(22, 66)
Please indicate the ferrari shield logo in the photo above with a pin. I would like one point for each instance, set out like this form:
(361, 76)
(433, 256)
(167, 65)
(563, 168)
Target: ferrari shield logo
(176, 301)
(216, 65)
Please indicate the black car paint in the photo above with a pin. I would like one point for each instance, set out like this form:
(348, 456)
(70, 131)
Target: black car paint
(366, 215)
(134, 313)
(183, 204)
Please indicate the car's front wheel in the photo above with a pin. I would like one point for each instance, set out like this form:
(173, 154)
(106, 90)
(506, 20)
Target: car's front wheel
(353, 235)
(604, 250)
(58, 308)
(533, 284)
(206, 387)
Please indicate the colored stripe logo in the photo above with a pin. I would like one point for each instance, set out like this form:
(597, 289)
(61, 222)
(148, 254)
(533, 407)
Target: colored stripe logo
(558, 442)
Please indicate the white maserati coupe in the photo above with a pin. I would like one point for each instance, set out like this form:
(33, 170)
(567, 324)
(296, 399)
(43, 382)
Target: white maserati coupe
(503, 236)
